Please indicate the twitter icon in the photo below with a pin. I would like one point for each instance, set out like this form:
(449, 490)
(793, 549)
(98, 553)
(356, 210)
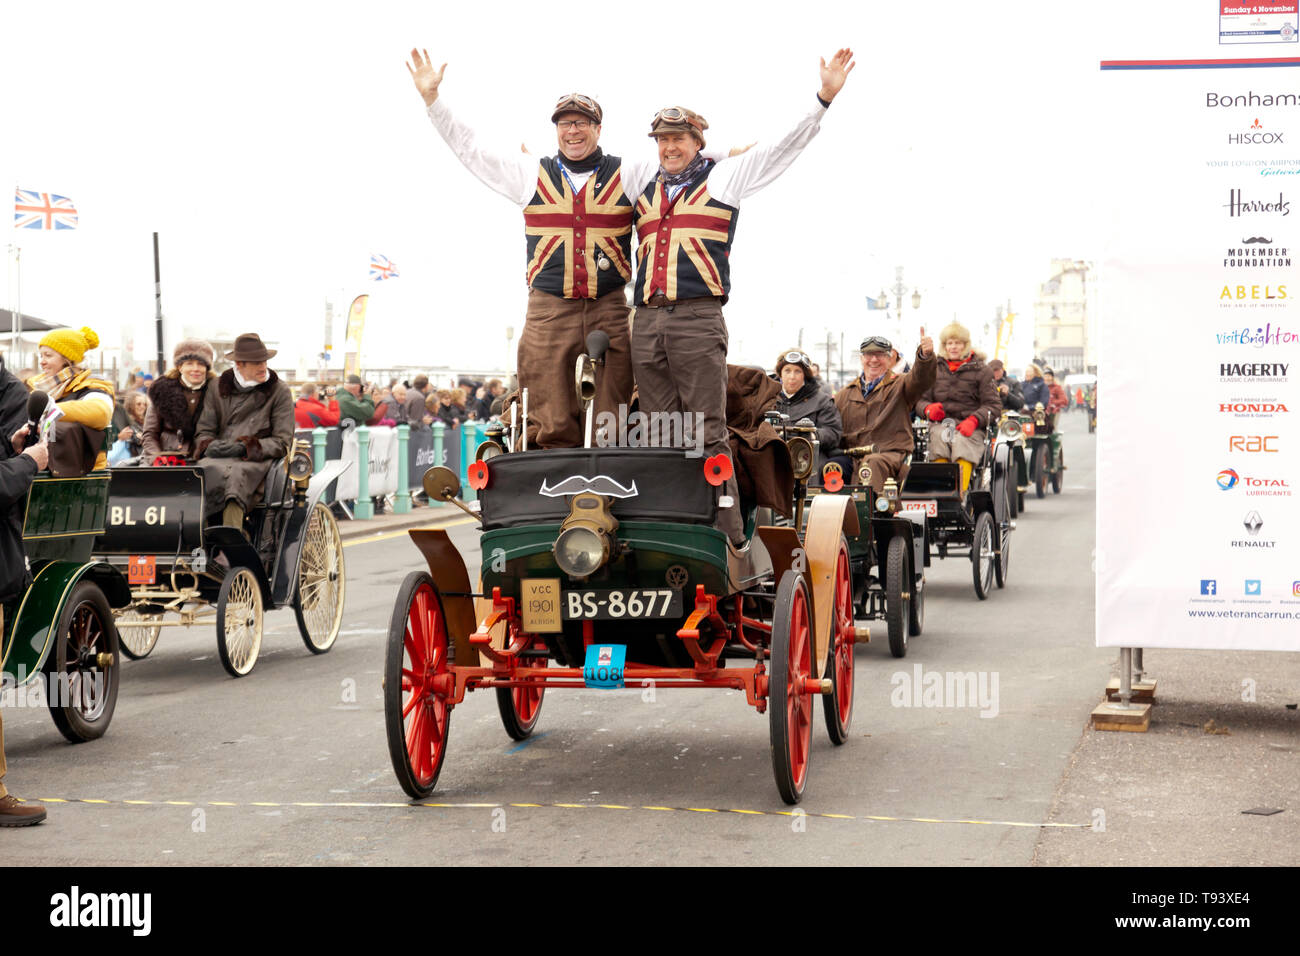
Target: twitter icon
(1252, 587)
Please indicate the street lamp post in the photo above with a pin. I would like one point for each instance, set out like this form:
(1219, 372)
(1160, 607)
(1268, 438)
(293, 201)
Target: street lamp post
(899, 291)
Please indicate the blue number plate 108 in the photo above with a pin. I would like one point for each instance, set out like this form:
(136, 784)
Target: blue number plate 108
(604, 665)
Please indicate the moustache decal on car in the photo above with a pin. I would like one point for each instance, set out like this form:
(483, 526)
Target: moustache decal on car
(576, 484)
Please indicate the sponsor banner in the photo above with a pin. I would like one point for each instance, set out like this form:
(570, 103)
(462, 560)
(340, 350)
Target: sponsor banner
(356, 327)
(1269, 21)
(383, 463)
(419, 451)
(1198, 494)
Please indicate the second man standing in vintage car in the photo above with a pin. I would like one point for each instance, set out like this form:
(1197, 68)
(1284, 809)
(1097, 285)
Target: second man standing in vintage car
(685, 223)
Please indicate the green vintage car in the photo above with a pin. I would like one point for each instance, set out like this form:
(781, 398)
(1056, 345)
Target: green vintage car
(62, 632)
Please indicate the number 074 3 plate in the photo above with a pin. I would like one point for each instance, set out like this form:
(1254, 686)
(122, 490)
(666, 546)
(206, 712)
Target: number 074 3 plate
(621, 604)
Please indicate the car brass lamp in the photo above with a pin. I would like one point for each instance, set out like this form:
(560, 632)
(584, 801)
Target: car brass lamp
(300, 467)
(801, 456)
(586, 539)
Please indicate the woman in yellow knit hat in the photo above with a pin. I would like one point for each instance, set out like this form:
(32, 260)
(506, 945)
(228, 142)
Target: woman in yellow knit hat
(86, 402)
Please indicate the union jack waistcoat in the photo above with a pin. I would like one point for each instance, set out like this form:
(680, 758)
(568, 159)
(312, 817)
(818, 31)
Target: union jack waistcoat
(683, 246)
(567, 233)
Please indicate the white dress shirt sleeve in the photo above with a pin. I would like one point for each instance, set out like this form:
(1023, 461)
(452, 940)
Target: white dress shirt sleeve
(739, 176)
(514, 176)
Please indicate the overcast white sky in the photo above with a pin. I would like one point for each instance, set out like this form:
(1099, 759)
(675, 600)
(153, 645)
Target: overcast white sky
(274, 148)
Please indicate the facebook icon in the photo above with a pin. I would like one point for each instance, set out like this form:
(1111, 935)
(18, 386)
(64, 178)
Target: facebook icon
(1208, 587)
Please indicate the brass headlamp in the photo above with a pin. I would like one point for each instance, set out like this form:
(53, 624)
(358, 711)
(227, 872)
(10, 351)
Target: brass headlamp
(586, 540)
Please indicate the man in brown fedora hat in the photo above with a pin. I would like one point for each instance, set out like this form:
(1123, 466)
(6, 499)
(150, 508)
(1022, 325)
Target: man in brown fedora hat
(246, 423)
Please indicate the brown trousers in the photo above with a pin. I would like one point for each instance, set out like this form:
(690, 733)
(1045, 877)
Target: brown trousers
(679, 354)
(884, 464)
(555, 334)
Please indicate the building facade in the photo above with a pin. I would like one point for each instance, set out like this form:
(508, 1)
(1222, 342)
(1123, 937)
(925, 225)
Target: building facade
(1063, 314)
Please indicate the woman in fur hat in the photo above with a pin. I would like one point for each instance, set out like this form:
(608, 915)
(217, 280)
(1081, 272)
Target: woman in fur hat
(175, 401)
(963, 391)
(86, 403)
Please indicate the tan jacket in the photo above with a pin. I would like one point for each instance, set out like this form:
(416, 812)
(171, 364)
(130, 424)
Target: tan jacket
(884, 418)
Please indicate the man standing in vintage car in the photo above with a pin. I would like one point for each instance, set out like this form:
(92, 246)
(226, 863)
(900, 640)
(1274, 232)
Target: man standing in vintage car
(246, 423)
(876, 410)
(578, 227)
(686, 223)
(18, 466)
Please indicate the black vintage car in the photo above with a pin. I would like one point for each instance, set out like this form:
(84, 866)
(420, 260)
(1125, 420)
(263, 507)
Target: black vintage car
(976, 523)
(288, 552)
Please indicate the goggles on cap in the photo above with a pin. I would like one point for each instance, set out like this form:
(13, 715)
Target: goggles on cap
(795, 357)
(876, 342)
(581, 103)
(675, 114)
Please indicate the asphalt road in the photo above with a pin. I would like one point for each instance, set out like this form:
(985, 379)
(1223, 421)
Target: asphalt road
(290, 765)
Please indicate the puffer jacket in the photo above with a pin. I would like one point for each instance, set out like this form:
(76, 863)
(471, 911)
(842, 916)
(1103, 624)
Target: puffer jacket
(812, 403)
(965, 392)
(1035, 391)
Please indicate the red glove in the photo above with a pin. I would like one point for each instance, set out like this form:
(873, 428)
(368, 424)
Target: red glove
(934, 412)
(968, 427)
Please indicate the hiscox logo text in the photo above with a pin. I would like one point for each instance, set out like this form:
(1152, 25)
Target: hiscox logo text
(1254, 134)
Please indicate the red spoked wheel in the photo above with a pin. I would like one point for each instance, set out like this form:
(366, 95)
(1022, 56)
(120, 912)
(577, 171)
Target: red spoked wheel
(416, 675)
(521, 706)
(839, 664)
(789, 708)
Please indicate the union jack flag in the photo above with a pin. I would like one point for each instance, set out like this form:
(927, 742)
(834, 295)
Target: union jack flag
(33, 210)
(381, 268)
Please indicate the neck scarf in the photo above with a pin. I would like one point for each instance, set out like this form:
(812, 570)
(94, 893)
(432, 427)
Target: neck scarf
(953, 365)
(693, 168)
(868, 386)
(587, 165)
(54, 384)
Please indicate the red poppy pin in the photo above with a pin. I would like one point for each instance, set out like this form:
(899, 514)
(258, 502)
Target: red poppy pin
(832, 478)
(478, 475)
(717, 469)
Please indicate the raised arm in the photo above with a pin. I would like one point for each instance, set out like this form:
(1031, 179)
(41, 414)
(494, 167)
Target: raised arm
(512, 175)
(743, 175)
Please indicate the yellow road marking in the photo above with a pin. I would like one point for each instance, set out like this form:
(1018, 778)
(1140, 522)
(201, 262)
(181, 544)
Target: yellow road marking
(387, 535)
(308, 805)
